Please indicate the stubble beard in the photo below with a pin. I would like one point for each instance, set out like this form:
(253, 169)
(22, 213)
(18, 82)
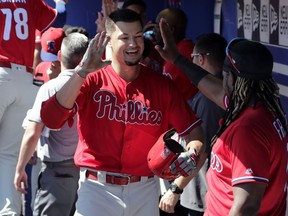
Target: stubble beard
(134, 63)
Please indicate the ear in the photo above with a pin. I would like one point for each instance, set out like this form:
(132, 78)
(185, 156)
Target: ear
(201, 60)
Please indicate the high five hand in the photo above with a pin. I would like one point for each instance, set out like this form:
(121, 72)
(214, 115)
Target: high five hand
(92, 59)
(169, 51)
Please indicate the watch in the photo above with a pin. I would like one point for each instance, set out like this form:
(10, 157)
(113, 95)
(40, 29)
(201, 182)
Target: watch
(175, 189)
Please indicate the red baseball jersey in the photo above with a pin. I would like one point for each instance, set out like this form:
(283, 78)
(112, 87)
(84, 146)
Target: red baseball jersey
(18, 22)
(119, 122)
(252, 149)
(184, 84)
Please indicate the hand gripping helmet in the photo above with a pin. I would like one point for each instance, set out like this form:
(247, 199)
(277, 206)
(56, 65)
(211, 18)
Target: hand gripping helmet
(164, 152)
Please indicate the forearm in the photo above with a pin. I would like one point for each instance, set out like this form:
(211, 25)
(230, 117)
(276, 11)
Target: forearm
(182, 181)
(67, 95)
(191, 70)
(208, 84)
(27, 149)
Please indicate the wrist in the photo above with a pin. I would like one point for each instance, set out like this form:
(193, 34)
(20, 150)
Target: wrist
(175, 189)
(80, 72)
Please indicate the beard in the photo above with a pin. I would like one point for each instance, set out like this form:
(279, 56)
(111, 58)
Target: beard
(132, 63)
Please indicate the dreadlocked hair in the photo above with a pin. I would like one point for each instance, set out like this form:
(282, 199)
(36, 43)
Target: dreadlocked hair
(265, 91)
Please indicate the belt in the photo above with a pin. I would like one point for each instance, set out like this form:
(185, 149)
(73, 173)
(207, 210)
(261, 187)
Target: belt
(50, 164)
(8, 65)
(117, 180)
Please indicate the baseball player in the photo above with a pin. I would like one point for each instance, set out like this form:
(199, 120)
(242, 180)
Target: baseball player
(18, 22)
(122, 110)
(248, 169)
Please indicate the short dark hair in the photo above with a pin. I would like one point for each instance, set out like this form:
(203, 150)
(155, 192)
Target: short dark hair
(215, 45)
(121, 15)
(141, 3)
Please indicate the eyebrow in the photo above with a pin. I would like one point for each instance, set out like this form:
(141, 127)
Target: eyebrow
(139, 32)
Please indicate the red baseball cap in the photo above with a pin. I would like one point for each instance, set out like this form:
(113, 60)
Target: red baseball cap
(51, 41)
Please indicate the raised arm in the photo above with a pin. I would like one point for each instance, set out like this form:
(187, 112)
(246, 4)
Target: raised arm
(91, 62)
(55, 111)
(208, 84)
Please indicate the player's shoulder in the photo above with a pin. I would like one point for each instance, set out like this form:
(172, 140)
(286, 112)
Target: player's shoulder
(153, 76)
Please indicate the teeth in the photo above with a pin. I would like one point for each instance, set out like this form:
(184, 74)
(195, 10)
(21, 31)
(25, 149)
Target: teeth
(131, 52)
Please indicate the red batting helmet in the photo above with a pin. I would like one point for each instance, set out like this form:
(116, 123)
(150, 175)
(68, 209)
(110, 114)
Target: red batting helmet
(162, 154)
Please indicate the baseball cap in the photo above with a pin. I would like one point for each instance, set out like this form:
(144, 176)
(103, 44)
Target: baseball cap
(40, 73)
(51, 41)
(248, 59)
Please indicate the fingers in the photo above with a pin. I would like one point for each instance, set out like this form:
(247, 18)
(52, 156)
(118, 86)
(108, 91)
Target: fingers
(108, 6)
(20, 185)
(167, 203)
(164, 29)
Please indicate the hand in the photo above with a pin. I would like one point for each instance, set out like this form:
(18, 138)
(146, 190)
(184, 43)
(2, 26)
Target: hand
(108, 6)
(185, 164)
(168, 201)
(169, 51)
(20, 180)
(92, 59)
(100, 22)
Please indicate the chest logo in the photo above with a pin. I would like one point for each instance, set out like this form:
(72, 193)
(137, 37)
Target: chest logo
(132, 111)
(216, 163)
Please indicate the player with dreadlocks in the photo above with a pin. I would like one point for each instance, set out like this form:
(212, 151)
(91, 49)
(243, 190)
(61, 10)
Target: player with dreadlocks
(248, 169)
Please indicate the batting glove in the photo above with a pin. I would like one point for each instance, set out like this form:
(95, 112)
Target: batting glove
(185, 164)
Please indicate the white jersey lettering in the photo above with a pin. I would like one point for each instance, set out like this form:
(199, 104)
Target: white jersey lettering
(132, 112)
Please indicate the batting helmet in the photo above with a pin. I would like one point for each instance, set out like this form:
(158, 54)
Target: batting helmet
(165, 151)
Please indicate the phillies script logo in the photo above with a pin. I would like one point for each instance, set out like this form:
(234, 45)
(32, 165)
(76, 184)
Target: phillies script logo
(215, 163)
(133, 112)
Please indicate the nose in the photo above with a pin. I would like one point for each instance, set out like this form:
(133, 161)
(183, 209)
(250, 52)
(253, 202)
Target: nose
(132, 42)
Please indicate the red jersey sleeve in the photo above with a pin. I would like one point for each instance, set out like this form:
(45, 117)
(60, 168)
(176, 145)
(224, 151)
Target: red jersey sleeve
(248, 143)
(54, 115)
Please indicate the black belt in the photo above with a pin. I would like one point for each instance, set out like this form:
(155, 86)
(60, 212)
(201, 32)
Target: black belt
(50, 164)
(8, 65)
(117, 180)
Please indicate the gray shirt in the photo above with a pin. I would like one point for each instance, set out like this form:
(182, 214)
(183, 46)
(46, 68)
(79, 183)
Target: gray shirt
(54, 145)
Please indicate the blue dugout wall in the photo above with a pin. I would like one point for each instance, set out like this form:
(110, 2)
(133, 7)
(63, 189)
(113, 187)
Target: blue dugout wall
(261, 20)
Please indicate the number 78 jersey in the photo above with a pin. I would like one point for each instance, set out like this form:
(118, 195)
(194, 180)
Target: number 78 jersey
(18, 21)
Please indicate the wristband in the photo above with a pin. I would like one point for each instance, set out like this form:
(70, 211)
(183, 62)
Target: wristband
(80, 73)
(192, 71)
(175, 189)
